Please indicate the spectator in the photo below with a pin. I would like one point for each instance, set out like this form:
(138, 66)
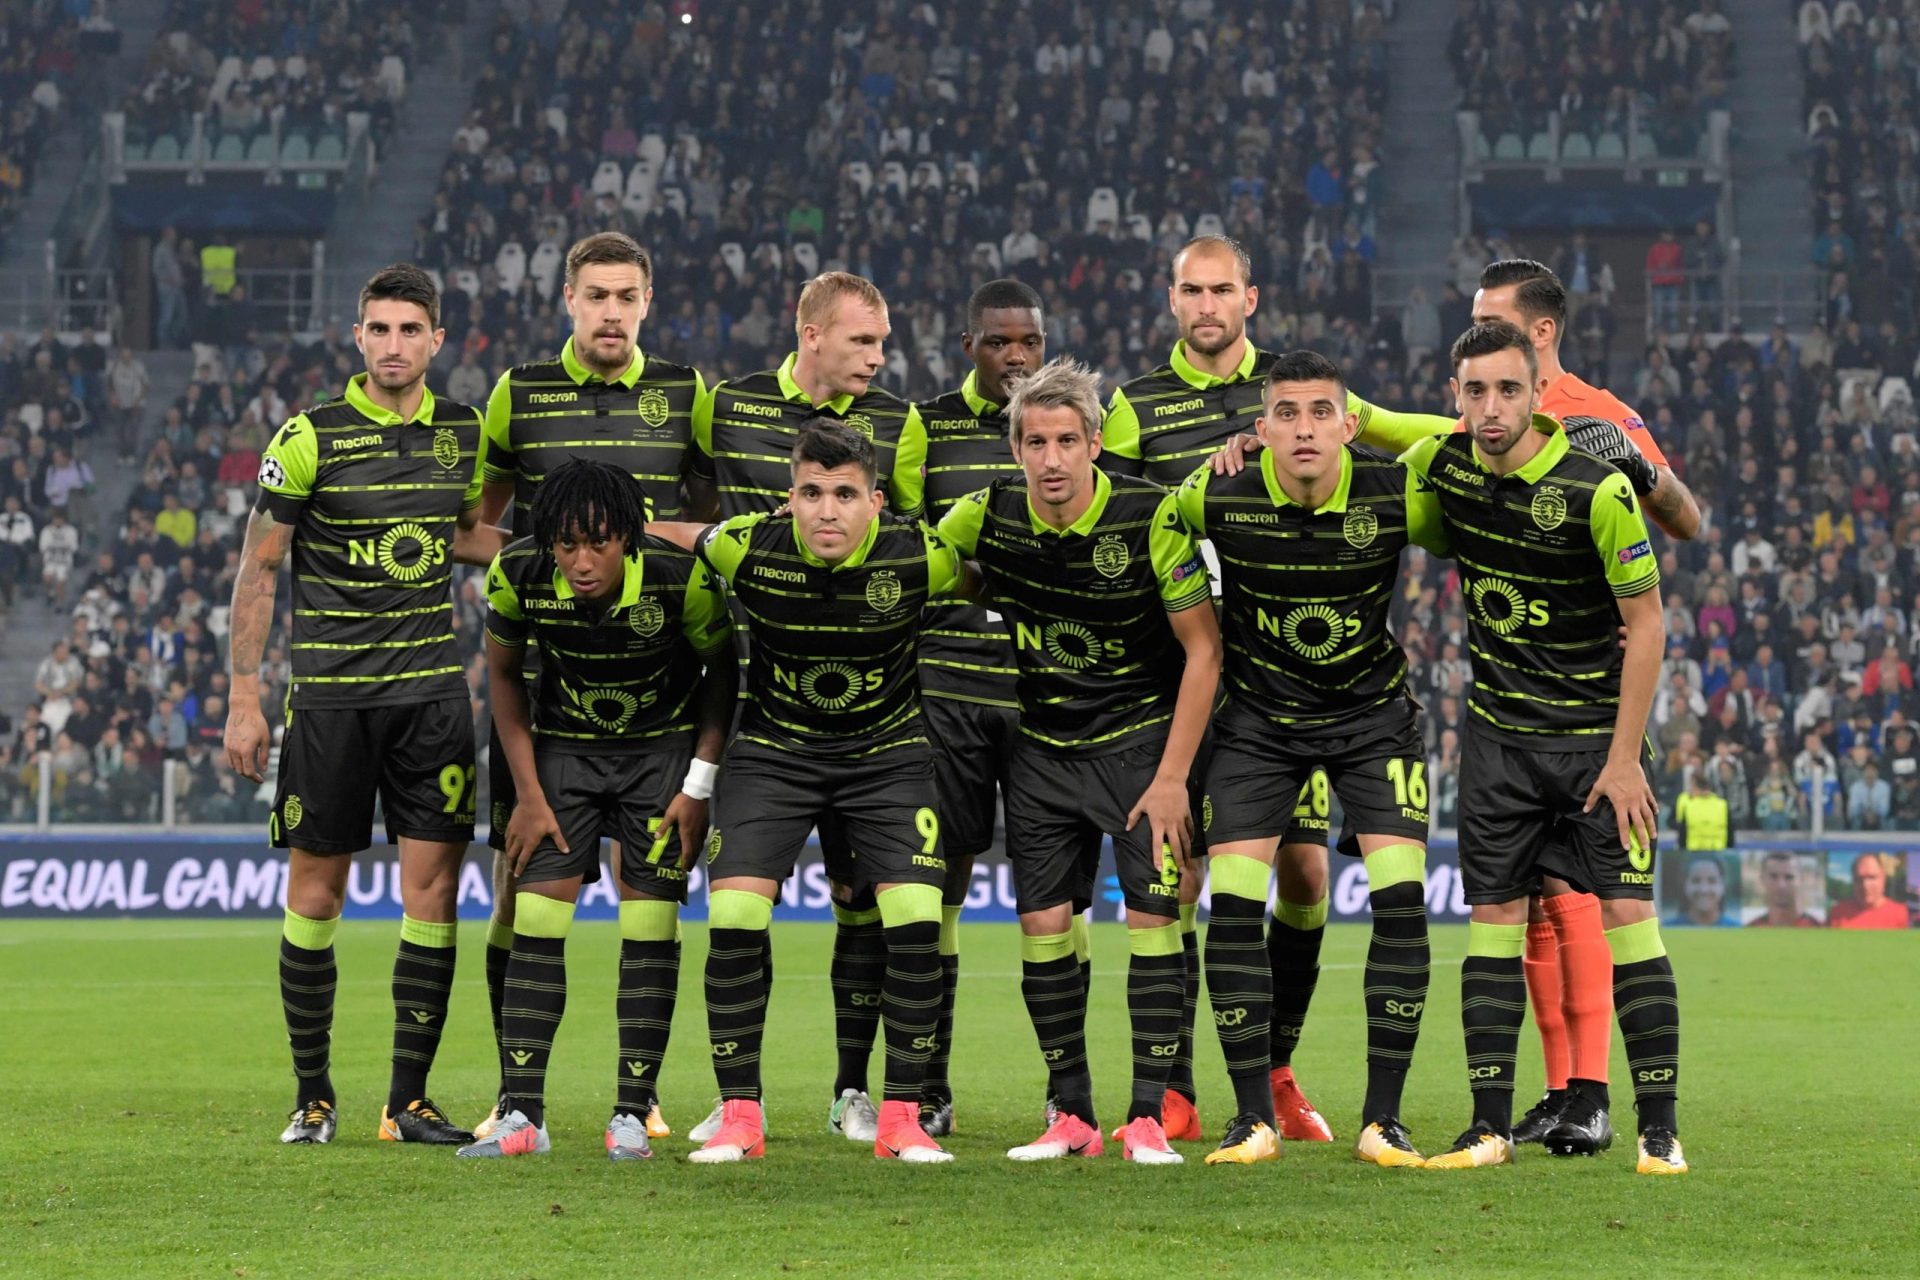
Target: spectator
(1666, 276)
(59, 547)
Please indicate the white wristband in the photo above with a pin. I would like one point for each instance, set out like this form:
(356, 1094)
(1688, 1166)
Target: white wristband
(699, 780)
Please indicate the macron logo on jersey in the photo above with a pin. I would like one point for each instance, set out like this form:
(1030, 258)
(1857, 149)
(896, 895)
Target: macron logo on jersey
(1641, 548)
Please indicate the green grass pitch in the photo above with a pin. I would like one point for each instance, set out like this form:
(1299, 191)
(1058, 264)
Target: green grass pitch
(146, 1081)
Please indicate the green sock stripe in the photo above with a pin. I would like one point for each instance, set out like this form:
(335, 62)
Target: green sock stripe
(1042, 947)
(909, 904)
(847, 916)
(1239, 875)
(1633, 943)
(1082, 938)
(1395, 864)
(1190, 913)
(1496, 941)
(1161, 941)
(738, 909)
(541, 917)
(949, 931)
(499, 934)
(1301, 915)
(308, 935)
(649, 920)
(427, 933)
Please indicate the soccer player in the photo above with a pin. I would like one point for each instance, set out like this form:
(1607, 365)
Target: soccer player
(833, 595)
(1554, 559)
(375, 493)
(1162, 425)
(1309, 544)
(743, 435)
(1109, 607)
(1569, 975)
(966, 661)
(627, 623)
(602, 397)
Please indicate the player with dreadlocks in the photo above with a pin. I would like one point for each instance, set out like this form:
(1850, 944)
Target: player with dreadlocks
(623, 740)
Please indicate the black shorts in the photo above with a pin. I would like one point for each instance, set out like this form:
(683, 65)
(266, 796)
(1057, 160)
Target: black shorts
(1520, 819)
(502, 793)
(972, 745)
(768, 800)
(1378, 769)
(621, 797)
(416, 758)
(1058, 807)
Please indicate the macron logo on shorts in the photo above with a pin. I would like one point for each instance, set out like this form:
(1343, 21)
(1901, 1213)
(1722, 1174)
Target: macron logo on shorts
(1641, 548)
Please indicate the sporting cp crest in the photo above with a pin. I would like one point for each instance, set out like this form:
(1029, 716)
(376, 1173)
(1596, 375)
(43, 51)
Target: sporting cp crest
(1110, 556)
(292, 811)
(862, 423)
(647, 617)
(1550, 507)
(883, 591)
(446, 448)
(1361, 527)
(653, 406)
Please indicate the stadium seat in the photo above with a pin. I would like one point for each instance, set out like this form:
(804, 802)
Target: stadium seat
(1540, 146)
(741, 186)
(1609, 146)
(230, 149)
(927, 174)
(330, 147)
(806, 257)
(33, 416)
(556, 120)
(1209, 224)
(467, 281)
(638, 202)
(967, 173)
(393, 77)
(675, 198)
(893, 175)
(133, 151)
(439, 283)
(1482, 149)
(545, 266)
(1509, 147)
(735, 256)
(608, 180)
(643, 177)
(1139, 226)
(653, 149)
(295, 67)
(1644, 147)
(510, 264)
(860, 175)
(897, 141)
(990, 251)
(225, 76)
(263, 69)
(692, 146)
(939, 368)
(897, 366)
(769, 256)
(1103, 205)
(295, 148)
(1576, 146)
(262, 149)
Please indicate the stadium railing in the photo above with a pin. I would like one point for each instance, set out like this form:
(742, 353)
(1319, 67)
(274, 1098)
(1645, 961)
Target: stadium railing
(1560, 146)
(1757, 299)
(276, 149)
(65, 298)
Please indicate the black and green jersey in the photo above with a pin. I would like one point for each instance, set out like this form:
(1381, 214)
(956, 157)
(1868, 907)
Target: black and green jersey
(1543, 555)
(1306, 592)
(619, 675)
(830, 670)
(1165, 423)
(743, 433)
(544, 413)
(964, 651)
(374, 502)
(1087, 606)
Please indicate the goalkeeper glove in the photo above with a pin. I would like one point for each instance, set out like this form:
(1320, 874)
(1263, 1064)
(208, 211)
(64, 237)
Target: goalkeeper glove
(1604, 439)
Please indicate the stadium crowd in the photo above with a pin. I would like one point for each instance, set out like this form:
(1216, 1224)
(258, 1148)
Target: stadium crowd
(1594, 64)
(1792, 616)
(40, 47)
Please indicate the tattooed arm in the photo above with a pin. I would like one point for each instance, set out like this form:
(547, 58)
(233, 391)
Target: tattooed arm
(247, 738)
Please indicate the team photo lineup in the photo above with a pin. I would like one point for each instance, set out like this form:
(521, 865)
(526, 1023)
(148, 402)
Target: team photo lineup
(725, 614)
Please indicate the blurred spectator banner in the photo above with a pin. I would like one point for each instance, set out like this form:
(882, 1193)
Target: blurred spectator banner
(1790, 884)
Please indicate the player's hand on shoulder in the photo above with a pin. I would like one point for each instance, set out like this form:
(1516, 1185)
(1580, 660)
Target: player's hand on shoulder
(1231, 458)
(1605, 439)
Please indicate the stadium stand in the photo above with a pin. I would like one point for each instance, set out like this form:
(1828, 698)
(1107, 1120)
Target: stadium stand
(39, 49)
(1792, 615)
